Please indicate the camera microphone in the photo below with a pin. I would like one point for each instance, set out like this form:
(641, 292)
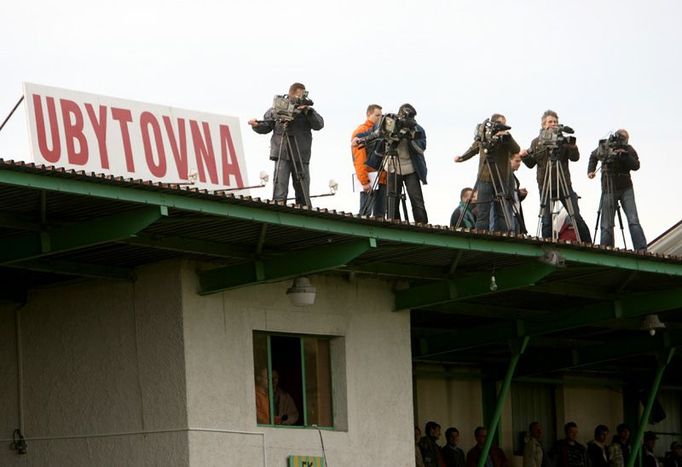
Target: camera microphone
(567, 129)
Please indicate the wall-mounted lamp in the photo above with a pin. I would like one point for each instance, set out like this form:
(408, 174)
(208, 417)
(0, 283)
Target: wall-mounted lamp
(651, 323)
(301, 292)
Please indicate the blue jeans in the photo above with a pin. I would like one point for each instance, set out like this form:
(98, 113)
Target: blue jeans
(583, 231)
(281, 181)
(490, 211)
(608, 212)
(373, 203)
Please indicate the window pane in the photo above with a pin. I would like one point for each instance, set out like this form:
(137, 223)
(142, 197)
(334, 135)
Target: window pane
(260, 371)
(318, 382)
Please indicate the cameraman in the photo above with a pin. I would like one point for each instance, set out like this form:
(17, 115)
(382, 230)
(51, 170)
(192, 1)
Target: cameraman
(499, 161)
(372, 198)
(300, 138)
(540, 156)
(411, 166)
(616, 186)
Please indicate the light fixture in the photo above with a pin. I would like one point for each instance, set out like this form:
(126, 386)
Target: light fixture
(493, 283)
(301, 292)
(333, 186)
(651, 323)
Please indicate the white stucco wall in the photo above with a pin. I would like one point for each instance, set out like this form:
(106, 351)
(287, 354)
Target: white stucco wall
(377, 367)
(98, 358)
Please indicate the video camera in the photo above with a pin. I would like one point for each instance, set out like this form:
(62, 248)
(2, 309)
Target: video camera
(392, 128)
(552, 138)
(610, 148)
(286, 108)
(487, 134)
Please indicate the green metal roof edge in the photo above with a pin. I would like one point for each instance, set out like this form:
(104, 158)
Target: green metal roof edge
(224, 208)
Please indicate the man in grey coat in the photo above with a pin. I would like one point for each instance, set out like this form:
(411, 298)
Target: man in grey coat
(291, 163)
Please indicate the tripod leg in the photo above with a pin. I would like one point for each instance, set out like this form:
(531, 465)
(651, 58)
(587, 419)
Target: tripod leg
(301, 174)
(620, 222)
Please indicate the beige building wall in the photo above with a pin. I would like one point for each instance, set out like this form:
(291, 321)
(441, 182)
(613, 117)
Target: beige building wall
(371, 377)
(102, 362)
(589, 406)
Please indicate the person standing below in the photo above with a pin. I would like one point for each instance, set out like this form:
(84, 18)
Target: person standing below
(297, 128)
(496, 457)
(533, 452)
(428, 445)
(597, 451)
(674, 457)
(453, 455)
(619, 449)
(541, 155)
(373, 194)
(616, 185)
(494, 178)
(463, 215)
(418, 460)
(568, 452)
(649, 457)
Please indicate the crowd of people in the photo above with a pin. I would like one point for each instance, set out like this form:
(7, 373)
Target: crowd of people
(565, 452)
(388, 158)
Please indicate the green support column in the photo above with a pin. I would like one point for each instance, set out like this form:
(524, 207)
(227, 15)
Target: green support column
(504, 392)
(637, 441)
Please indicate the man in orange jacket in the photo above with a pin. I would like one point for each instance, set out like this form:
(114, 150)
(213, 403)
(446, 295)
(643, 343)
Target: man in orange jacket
(373, 195)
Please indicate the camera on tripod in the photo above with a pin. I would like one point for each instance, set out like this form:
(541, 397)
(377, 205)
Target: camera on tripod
(286, 108)
(610, 148)
(488, 134)
(392, 128)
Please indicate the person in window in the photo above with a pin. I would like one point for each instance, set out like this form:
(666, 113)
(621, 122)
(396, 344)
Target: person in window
(286, 411)
(262, 397)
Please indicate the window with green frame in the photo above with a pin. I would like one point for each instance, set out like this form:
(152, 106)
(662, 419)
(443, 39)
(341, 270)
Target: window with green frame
(293, 380)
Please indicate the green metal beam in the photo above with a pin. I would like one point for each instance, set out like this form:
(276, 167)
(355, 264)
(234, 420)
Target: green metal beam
(471, 285)
(19, 223)
(282, 267)
(639, 436)
(602, 352)
(79, 235)
(70, 268)
(630, 306)
(189, 245)
(340, 225)
(400, 270)
(517, 350)
(573, 290)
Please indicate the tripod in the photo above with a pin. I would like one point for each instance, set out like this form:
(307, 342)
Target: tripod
(502, 196)
(555, 188)
(609, 195)
(390, 165)
(300, 185)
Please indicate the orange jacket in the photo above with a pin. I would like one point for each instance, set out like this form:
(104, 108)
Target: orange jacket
(360, 157)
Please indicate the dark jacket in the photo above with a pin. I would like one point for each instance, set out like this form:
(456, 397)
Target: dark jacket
(540, 157)
(521, 197)
(468, 217)
(619, 169)
(496, 456)
(564, 454)
(430, 451)
(453, 456)
(598, 456)
(499, 156)
(298, 131)
(416, 147)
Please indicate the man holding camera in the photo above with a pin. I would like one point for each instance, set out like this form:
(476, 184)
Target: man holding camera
(290, 143)
(555, 159)
(619, 160)
(494, 181)
(373, 194)
(401, 155)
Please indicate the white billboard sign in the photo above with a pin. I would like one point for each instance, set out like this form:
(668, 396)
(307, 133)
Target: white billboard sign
(81, 131)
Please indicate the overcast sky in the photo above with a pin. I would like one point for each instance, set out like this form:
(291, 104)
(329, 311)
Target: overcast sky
(601, 65)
